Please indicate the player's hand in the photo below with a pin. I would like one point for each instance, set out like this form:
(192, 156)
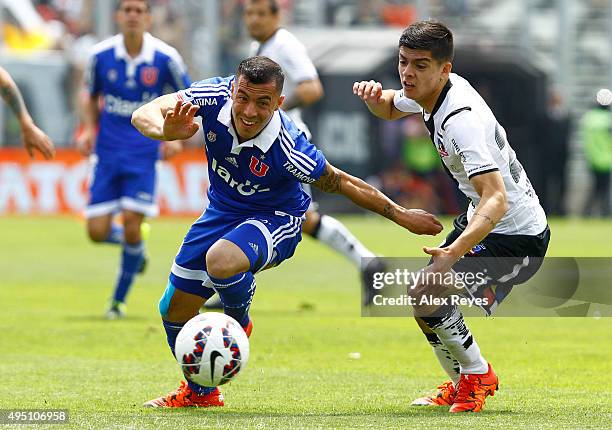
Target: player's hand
(443, 258)
(368, 91)
(85, 142)
(34, 138)
(170, 148)
(179, 123)
(420, 222)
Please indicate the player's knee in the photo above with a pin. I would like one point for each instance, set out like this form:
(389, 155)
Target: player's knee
(96, 232)
(223, 261)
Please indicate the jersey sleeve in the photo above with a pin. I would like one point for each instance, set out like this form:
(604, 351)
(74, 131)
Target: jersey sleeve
(404, 104)
(295, 61)
(93, 83)
(301, 160)
(208, 94)
(179, 78)
(466, 134)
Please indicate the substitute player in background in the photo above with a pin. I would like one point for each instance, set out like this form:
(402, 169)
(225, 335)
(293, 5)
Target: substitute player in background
(33, 138)
(257, 160)
(125, 71)
(504, 221)
(302, 88)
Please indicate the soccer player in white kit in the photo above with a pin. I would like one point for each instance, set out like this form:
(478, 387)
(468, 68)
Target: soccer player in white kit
(504, 232)
(302, 88)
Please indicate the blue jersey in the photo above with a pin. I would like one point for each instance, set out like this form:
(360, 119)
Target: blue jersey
(262, 175)
(127, 83)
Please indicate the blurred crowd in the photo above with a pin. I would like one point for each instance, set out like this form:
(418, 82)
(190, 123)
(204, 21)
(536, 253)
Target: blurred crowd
(412, 174)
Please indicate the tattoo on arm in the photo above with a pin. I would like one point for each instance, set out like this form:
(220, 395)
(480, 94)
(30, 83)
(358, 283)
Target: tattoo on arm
(487, 217)
(389, 211)
(330, 181)
(12, 96)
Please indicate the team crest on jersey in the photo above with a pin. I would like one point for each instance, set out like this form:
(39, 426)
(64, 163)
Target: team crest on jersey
(112, 75)
(211, 136)
(475, 250)
(441, 149)
(258, 167)
(149, 75)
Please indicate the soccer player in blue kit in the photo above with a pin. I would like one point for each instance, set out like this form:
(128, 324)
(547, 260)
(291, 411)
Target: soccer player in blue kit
(257, 160)
(125, 71)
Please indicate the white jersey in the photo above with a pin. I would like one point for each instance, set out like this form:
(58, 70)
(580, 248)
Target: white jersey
(284, 48)
(471, 142)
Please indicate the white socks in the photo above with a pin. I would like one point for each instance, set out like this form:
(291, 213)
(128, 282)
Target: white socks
(333, 233)
(446, 359)
(458, 340)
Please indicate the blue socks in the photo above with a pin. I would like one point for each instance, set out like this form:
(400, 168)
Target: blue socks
(172, 331)
(131, 260)
(236, 293)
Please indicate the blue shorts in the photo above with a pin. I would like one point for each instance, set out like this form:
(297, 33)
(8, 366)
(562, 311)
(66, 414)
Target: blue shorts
(266, 240)
(118, 185)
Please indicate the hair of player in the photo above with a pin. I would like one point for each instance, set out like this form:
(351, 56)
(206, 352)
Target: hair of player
(120, 2)
(273, 4)
(431, 36)
(261, 70)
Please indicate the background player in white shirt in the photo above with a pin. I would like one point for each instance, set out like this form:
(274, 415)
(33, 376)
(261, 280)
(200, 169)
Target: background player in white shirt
(504, 232)
(302, 88)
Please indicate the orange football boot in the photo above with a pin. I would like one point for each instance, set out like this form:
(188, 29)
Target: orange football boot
(184, 397)
(444, 397)
(472, 391)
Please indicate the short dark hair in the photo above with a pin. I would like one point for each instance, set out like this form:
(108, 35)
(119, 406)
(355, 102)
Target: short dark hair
(430, 36)
(261, 70)
(273, 4)
(120, 2)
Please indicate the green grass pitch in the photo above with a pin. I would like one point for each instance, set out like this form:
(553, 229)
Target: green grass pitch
(56, 351)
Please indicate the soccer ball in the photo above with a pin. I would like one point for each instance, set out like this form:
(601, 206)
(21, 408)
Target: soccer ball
(211, 349)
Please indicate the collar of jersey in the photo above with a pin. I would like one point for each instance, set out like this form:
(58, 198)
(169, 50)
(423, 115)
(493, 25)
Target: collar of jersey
(263, 140)
(440, 100)
(146, 56)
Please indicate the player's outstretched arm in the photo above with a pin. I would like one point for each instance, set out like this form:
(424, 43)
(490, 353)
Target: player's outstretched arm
(166, 118)
(378, 101)
(33, 138)
(490, 210)
(366, 196)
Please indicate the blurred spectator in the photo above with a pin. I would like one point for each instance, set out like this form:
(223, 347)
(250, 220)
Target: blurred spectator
(24, 28)
(398, 14)
(231, 36)
(555, 143)
(169, 23)
(457, 8)
(596, 127)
